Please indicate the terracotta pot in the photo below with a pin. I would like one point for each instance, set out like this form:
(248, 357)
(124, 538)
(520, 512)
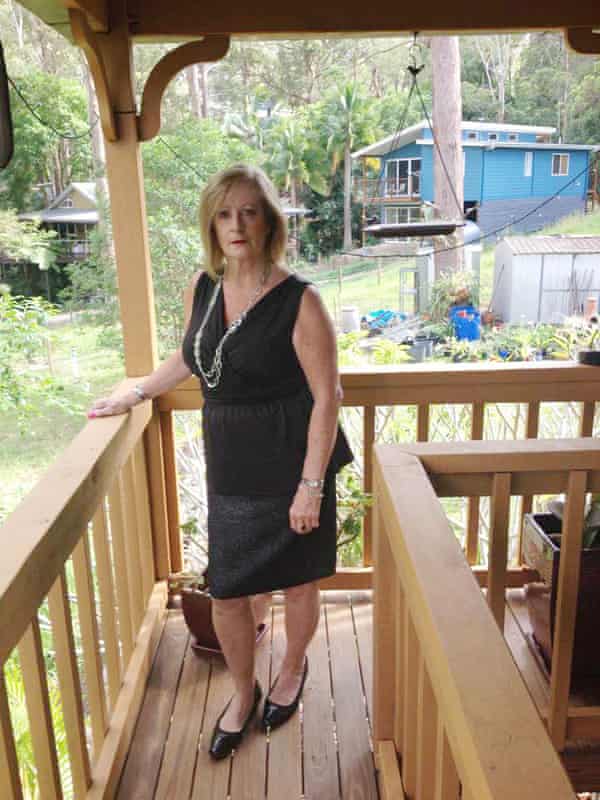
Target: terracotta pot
(196, 605)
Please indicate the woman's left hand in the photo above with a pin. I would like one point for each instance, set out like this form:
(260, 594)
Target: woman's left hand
(304, 511)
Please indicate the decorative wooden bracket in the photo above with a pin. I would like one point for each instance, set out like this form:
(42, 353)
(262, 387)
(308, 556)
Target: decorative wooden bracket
(584, 40)
(94, 10)
(211, 48)
(86, 39)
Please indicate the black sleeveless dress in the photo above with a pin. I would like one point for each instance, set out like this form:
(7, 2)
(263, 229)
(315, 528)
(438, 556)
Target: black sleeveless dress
(255, 427)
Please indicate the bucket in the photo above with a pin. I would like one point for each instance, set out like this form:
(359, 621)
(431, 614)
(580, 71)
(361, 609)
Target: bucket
(350, 319)
(466, 321)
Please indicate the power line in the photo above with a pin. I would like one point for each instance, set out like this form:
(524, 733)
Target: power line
(71, 136)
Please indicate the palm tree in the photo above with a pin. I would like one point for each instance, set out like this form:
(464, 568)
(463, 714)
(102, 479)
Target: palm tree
(289, 163)
(350, 124)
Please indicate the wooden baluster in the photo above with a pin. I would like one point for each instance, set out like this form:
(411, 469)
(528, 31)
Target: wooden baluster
(9, 764)
(368, 442)
(472, 542)
(410, 672)
(498, 548)
(533, 424)
(447, 784)
(566, 607)
(427, 714)
(117, 528)
(70, 685)
(399, 690)
(390, 783)
(106, 591)
(423, 416)
(586, 424)
(141, 484)
(88, 622)
(132, 549)
(170, 466)
(153, 449)
(384, 576)
(43, 742)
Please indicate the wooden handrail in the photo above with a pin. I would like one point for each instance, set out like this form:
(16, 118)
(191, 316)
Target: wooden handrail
(46, 526)
(497, 741)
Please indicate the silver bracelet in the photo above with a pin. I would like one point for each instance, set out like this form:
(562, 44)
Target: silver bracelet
(140, 393)
(315, 485)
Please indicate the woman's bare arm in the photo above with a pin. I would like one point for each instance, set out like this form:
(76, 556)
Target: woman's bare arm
(315, 345)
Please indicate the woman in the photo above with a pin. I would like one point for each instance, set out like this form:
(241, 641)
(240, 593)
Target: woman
(263, 346)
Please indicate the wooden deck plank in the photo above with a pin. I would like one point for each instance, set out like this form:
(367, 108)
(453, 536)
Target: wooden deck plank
(285, 744)
(141, 770)
(179, 760)
(211, 779)
(356, 759)
(248, 770)
(362, 612)
(321, 776)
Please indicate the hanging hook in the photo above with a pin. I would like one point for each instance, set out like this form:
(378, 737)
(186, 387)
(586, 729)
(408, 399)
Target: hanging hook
(414, 56)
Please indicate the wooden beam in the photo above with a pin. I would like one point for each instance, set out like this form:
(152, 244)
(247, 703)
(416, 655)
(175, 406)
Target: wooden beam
(211, 48)
(390, 782)
(184, 19)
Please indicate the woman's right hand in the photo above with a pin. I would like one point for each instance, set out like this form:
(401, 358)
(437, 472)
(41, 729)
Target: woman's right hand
(116, 404)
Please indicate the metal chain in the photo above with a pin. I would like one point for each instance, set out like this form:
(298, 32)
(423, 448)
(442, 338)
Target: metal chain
(212, 376)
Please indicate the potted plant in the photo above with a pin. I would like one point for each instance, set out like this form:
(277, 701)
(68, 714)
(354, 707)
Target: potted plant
(589, 353)
(541, 550)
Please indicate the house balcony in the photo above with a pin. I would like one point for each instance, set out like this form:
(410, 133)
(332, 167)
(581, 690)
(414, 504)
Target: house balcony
(387, 190)
(424, 681)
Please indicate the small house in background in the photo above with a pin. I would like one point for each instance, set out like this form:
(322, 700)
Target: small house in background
(72, 214)
(509, 170)
(544, 278)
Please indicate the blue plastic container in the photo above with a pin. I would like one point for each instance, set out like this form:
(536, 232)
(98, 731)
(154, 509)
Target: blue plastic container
(466, 321)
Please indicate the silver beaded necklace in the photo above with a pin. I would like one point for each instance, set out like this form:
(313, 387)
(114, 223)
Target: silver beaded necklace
(212, 376)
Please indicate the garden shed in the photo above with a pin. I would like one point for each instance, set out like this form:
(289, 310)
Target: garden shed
(545, 278)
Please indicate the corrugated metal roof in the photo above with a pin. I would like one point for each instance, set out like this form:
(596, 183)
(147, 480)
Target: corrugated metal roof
(532, 245)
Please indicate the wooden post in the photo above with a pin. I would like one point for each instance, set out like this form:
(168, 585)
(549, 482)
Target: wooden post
(130, 235)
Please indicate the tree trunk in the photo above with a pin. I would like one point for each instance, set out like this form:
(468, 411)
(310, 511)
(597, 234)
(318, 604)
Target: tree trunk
(347, 198)
(203, 75)
(191, 75)
(447, 117)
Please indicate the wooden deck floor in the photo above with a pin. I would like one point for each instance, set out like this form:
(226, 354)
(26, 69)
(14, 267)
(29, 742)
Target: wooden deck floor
(323, 753)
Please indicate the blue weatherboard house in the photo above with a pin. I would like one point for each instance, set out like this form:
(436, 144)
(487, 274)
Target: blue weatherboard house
(508, 171)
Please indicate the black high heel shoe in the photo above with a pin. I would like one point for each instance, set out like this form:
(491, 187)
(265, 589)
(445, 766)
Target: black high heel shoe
(223, 742)
(275, 715)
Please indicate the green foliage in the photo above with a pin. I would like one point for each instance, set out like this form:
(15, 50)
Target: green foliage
(21, 240)
(40, 156)
(22, 337)
(352, 505)
(451, 288)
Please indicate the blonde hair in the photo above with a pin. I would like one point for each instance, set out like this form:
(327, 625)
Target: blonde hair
(212, 198)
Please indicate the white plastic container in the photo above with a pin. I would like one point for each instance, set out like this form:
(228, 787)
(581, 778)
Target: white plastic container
(350, 319)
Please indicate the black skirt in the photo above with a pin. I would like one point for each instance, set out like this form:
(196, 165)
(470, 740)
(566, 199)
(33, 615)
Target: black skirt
(252, 548)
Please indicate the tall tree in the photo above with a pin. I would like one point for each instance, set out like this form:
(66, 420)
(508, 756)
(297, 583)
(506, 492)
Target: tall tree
(448, 162)
(351, 122)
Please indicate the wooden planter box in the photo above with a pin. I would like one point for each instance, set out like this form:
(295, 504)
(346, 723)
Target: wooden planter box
(541, 550)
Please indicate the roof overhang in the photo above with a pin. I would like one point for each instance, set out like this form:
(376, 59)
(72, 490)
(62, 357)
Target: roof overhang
(182, 20)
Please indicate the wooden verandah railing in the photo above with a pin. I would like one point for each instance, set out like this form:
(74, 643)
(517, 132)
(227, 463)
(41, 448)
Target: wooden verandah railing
(97, 512)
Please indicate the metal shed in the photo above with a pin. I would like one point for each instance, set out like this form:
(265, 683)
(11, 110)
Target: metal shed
(545, 278)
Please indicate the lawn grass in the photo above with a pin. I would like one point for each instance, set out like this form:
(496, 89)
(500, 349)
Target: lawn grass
(27, 454)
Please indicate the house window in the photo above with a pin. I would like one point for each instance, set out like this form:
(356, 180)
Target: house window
(67, 203)
(472, 135)
(560, 163)
(492, 137)
(528, 164)
(403, 177)
(513, 137)
(400, 215)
